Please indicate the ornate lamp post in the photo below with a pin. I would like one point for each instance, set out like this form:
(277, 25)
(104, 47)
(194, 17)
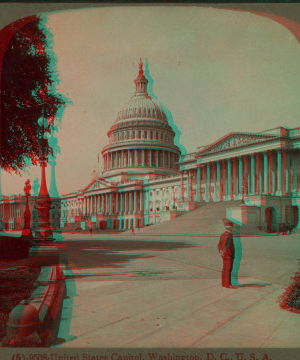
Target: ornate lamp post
(44, 252)
(44, 231)
(27, 215)
(53, 193)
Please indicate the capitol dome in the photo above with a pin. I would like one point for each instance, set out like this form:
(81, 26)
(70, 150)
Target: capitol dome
(142, 106)
(141, 141)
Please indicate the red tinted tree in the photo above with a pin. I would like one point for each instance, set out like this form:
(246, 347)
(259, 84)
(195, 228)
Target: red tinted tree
(28, 82)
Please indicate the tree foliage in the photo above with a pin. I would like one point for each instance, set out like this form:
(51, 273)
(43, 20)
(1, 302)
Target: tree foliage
(27, 94)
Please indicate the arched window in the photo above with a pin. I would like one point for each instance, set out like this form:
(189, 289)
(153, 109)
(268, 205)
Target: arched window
(145, 134)
(123, 135)
(139, 134)
(133, 134)
(162, 136)
(127, 137)
(156, 135)
(151, 135)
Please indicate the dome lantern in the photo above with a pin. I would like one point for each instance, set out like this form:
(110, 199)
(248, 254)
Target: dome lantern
(141, 82)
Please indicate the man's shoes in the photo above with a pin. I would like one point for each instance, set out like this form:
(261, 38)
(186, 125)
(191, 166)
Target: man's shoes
(231, 287)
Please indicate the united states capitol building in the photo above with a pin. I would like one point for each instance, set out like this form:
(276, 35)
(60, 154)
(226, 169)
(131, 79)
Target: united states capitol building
(146, 179)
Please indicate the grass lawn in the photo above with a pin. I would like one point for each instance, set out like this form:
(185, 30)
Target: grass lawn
(16, 284)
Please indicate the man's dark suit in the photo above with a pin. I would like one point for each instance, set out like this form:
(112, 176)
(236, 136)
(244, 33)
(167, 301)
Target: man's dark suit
(226, 249)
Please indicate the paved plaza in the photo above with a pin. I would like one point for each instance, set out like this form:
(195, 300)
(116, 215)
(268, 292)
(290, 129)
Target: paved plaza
(146, 290)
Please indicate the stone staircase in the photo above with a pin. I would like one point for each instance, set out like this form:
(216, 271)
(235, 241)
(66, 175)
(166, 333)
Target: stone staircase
(205, 220)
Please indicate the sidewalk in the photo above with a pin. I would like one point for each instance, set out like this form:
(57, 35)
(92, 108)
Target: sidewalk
(173, 298)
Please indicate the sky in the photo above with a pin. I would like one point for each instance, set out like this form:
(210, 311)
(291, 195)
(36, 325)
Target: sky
(216, 70)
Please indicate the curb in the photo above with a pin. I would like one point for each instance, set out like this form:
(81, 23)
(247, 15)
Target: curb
(31, 322)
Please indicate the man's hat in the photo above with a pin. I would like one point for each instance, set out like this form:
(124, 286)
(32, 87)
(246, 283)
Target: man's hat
(227, 222)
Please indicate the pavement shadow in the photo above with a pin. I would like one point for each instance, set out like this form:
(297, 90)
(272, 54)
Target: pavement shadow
(254, 285)
(115, 253)
(65, 317)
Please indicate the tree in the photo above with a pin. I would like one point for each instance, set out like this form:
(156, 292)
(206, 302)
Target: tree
(28, 93)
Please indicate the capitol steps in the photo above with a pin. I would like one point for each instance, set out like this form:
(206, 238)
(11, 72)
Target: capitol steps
(205, 220)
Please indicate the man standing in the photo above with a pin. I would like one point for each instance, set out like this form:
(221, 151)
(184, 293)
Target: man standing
(226, 249)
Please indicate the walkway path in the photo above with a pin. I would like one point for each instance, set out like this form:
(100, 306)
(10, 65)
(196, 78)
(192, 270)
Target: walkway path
(146, 290)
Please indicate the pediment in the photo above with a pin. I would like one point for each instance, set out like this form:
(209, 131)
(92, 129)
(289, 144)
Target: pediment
(100, 183)
(235, 140)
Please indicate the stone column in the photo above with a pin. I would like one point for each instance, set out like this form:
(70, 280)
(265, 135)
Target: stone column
(273, 169)
(266, 172)
(198, 185)
(229, 179)
(141, 201)
(117, 203)
(270, 172)
(288, 173)
(252, 174)
(295, 173)
(214, 167)
(129, 203)
(136, 157)
(207, 188)
(240, 177)
(125, 202)
(279, 172)
(246, 176)
(121, 203)
(218, 195)
(157, 163)
(235, 177)
(188, 188)
(143, 157)
(258, 174)
(134, 205)
(225, 180)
